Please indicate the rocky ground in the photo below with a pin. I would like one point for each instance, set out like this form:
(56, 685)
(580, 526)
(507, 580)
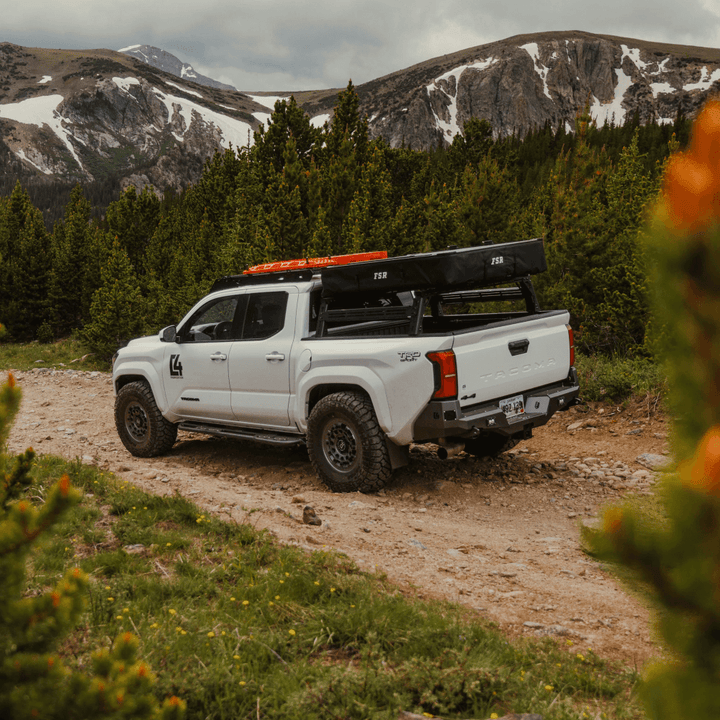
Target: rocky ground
(501, 536)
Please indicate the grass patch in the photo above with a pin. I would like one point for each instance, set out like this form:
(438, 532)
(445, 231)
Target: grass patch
(619, 379)
(232, 621)
(68, 353)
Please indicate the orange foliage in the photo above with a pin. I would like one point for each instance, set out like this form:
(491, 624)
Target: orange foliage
(692, 179)
(612, 521)
(703, 471)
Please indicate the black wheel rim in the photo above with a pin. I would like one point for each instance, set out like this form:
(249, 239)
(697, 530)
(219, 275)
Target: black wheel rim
(340, 446)
(136, 422)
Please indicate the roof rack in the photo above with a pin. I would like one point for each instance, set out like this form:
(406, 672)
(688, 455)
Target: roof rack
(299, 270)
(301, 263)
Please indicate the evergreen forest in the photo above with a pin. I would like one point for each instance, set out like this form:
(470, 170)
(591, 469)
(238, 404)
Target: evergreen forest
(302, 191)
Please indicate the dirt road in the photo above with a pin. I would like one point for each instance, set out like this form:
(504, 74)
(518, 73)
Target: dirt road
(499, 536)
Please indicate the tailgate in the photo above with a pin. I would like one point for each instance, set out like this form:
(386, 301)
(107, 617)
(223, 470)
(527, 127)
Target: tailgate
(501, 362)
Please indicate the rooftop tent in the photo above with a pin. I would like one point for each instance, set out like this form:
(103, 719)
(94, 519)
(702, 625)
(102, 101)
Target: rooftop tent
(446, 269)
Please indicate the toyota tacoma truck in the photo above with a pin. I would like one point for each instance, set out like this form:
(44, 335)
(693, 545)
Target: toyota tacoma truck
(357, 357)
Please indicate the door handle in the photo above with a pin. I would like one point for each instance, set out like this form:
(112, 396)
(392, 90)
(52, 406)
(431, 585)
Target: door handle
(218, 356)
(275, 356)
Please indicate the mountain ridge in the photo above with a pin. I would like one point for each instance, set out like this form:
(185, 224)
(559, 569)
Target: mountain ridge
(166, 61)
(82, 115)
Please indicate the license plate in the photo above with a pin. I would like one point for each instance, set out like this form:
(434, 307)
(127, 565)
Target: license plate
(513, 407)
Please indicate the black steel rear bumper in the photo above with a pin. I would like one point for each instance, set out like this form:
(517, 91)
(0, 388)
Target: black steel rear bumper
(445, 418)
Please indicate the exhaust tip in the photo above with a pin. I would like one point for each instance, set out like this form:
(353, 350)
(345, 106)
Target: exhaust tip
(449, 449)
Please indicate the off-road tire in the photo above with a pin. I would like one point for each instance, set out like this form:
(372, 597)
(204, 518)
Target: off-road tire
(141, 427)
(346, 445)
(490, 446)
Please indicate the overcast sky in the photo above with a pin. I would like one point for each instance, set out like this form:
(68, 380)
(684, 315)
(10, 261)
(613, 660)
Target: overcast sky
(278, 45)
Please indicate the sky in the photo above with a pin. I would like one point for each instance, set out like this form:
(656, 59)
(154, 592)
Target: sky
(286, 45)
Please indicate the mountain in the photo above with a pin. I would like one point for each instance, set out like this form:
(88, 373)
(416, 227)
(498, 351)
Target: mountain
(527, 80)
(141, 116)
(89, 115)
(169, 63)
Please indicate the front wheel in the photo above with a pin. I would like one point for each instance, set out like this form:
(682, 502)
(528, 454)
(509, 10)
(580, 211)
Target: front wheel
(346, 444)
(140, 424)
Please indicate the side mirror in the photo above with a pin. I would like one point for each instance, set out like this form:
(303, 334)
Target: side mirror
(169, 334)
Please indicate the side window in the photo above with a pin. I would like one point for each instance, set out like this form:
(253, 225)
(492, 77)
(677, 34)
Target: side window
(265, 315)
(213, 321)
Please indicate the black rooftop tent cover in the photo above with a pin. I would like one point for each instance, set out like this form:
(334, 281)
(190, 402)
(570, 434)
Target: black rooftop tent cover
(457, 268)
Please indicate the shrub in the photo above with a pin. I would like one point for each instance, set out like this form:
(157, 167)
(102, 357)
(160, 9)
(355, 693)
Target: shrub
(34, 683)
(679, 561)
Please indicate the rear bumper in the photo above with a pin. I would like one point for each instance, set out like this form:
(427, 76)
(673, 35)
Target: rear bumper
(445, 418)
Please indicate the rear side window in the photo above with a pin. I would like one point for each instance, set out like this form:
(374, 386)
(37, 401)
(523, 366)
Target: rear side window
(264, 315)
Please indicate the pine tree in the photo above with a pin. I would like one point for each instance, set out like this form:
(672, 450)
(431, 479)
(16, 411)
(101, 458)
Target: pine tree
(370, 214)
(442, 225)
(574, 243)
(320, 244)
(70, 286)
(347, 125)
(489, 204)
(34, 683)
(615, 322)
(24, 276)
(117, 311)
(288, 119)
(341, 184)
(133, 219)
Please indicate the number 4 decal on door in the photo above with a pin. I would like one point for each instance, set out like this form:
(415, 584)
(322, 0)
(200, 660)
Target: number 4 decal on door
(175, 367)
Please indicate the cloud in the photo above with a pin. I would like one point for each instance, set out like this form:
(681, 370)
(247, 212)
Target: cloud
(290, 45)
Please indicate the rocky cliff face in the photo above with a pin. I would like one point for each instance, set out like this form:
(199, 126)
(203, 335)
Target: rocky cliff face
(526, 81)
(83, 116)
(88, 115)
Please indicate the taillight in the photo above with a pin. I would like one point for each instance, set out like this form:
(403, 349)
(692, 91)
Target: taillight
(445, 371)
(571, 338)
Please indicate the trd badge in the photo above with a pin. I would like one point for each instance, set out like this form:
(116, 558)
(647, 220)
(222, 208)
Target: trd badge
(175, 367)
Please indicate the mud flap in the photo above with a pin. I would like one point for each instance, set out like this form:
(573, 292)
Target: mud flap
(399, 454)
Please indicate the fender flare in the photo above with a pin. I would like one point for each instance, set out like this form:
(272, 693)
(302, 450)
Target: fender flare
(350, 377)
(145, 371)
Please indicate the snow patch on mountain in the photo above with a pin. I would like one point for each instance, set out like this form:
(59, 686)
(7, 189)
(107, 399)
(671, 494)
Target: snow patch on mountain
(233, 132)
(634, 55)
(267, 101)
(612, 111)
(185, 90)
(534, 52)
(41, 111)
(659, 88)
(707, 79)
(263, 118)
(319, 120)
(447, 84)
(38, 165)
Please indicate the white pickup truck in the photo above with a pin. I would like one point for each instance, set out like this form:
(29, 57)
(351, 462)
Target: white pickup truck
(357, 361)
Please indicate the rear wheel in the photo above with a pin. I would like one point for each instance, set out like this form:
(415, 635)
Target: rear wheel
(140, 424)
(487, 446)
(346, 444)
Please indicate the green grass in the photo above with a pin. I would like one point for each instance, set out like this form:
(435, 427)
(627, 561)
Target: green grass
(619, 379)
(63, 354)
(232, 621)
